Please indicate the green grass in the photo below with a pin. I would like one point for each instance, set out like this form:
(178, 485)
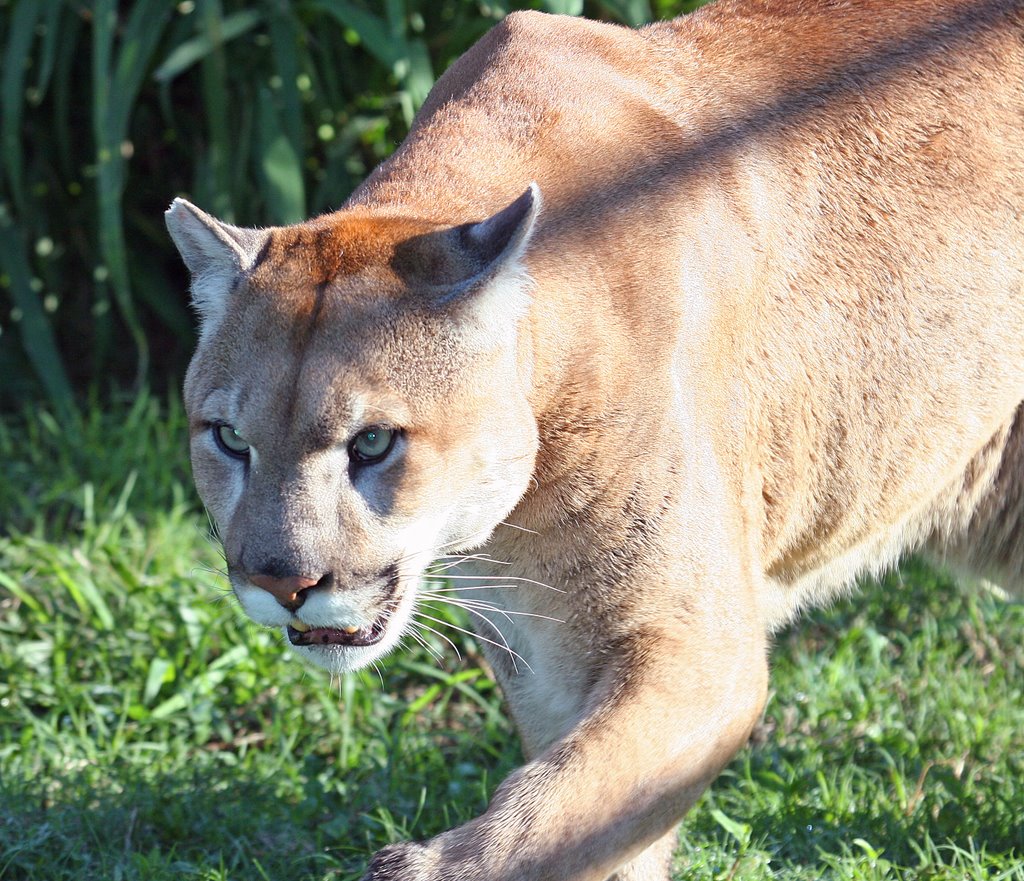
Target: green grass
(148, 732)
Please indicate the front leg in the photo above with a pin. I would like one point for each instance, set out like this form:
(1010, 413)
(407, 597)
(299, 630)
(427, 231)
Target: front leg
(674, 704)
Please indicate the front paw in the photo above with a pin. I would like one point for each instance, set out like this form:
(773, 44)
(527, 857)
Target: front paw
(407, 861)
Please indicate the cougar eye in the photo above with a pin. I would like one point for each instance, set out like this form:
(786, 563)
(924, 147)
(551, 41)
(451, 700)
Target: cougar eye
(230, 441)
(371, 445)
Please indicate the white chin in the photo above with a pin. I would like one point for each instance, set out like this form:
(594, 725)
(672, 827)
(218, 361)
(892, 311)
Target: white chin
(339, 659)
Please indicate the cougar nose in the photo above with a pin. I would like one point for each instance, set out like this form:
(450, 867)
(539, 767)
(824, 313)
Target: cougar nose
(289, 591)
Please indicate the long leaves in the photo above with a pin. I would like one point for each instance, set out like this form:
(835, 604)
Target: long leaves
(263, 111)
(118, 70)
(36, 333)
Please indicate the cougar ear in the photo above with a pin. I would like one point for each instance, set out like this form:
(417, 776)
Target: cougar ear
(488, 304)
(502, 238)
(216, 253)
(496, 245)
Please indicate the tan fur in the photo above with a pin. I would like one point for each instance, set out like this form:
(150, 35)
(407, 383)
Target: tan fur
(759, 330)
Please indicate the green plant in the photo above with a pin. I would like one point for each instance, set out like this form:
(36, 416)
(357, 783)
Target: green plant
(262, 112)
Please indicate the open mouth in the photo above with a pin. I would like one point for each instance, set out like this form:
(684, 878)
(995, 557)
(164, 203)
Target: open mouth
(346, 636)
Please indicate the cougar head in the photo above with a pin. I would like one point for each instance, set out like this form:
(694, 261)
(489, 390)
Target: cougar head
(358, 406)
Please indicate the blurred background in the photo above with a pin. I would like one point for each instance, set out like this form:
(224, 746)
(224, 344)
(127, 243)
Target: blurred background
(260, 112)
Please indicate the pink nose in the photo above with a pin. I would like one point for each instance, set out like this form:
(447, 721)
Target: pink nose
(287, 591)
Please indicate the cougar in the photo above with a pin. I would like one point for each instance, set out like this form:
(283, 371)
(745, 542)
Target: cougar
(665, 334)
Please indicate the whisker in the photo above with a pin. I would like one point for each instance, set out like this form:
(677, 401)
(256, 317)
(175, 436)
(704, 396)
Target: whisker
(473, 536)
(517, 578)
(209, 570)
(212, 533)
(480, 604)
(506, 647)
(458, 654)
(462, 558)
(458, 541)
(517, 526)
(215, 601)
(470, 606)
(427, 646)
(222, 588)
(479, 555)
(436, 566)
(380, 676)
(433, 652)
(489, 559)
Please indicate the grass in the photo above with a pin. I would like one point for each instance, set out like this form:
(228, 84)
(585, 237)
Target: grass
(148, 732)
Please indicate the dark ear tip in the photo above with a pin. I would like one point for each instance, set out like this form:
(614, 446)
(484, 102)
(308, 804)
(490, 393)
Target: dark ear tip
(527, 204)
(533, 191)
(505, 230)
(528, 197)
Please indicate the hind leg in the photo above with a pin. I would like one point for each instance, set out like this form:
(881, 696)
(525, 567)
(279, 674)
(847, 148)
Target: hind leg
(988, 538)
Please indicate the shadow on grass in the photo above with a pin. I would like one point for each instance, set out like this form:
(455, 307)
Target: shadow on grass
(212, 825)
(800, 834)
(897, 720)
(221, 822)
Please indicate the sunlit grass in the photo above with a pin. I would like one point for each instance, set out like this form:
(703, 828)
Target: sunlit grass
(148, 732)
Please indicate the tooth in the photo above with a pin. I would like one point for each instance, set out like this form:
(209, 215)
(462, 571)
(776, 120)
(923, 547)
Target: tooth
(301, 626)
(352, 628)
